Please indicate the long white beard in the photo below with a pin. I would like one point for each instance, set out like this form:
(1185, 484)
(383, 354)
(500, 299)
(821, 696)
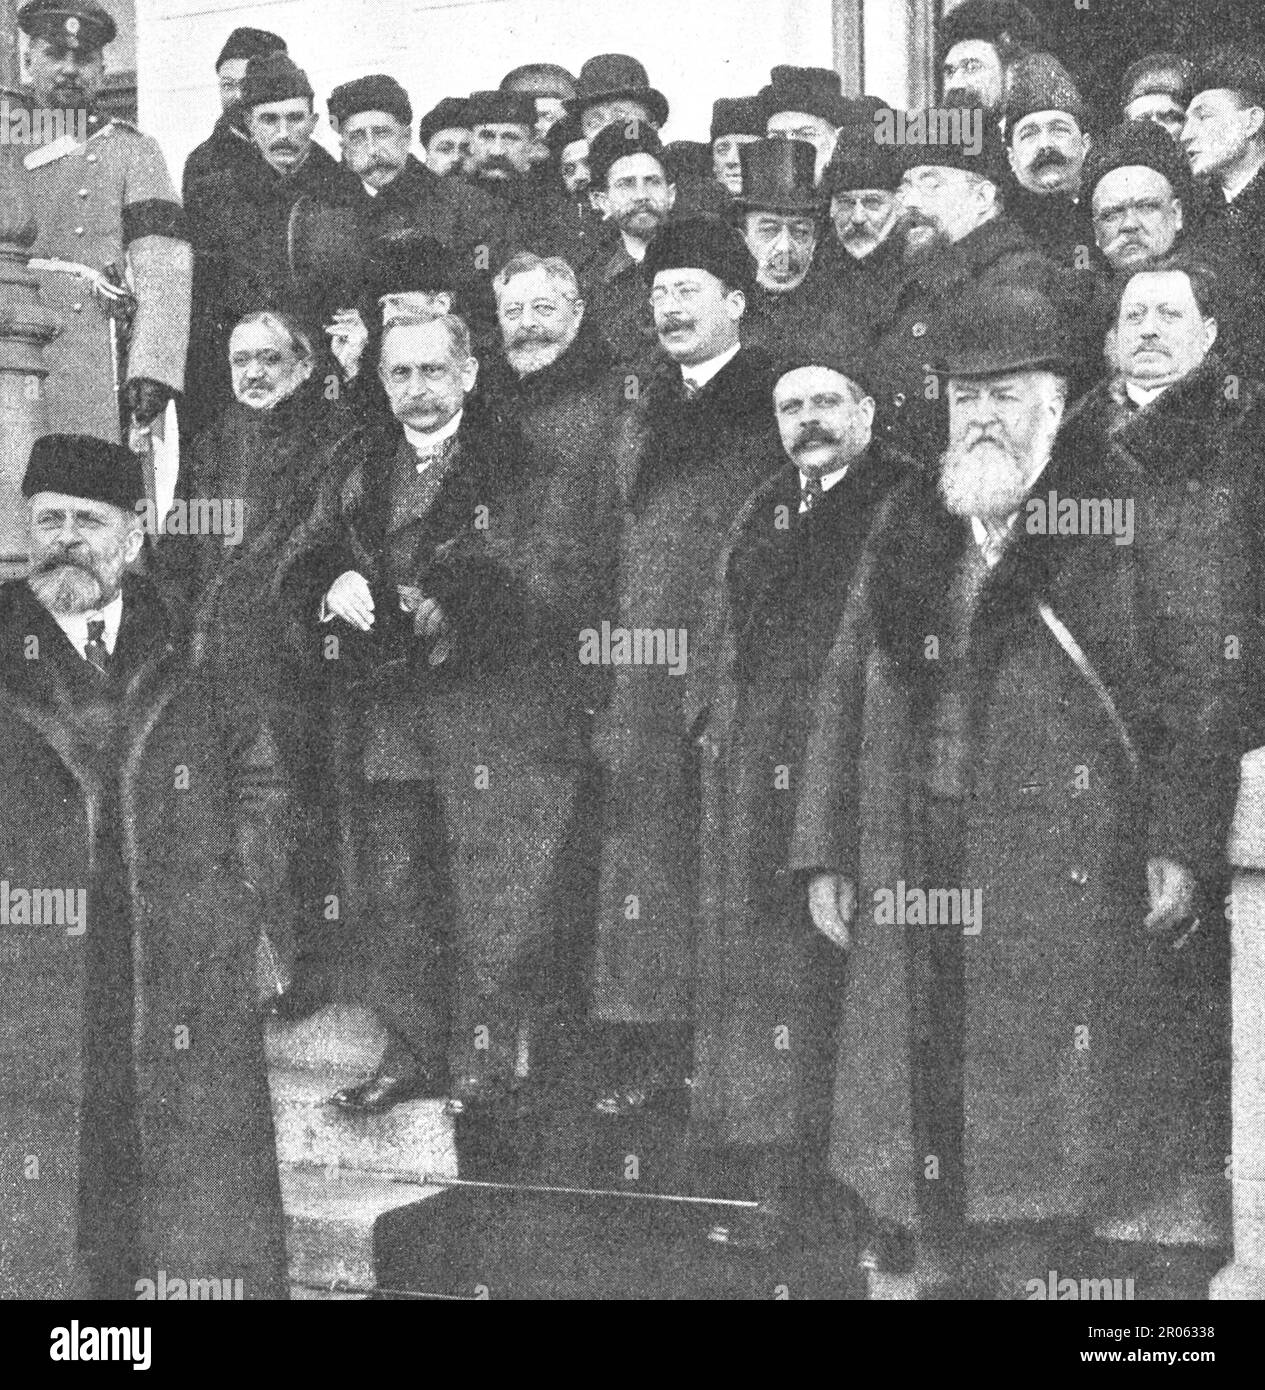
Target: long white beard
(991, 480)
(68, 589)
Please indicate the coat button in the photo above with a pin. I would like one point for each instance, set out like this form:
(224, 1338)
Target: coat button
(898, 399)
(1079, 877)
(92, 159)
(78, 308)
(920, 329)
(79, 231)
(83, 192)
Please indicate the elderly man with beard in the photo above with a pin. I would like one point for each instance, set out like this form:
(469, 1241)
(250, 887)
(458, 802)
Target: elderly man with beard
(111, 250)
(239, 223)
(955, 238)
(1038, 723)
(133, 1056)
(634, 188)
(689, 452)
(1046, 147)
(780, 211)
(760, 1109)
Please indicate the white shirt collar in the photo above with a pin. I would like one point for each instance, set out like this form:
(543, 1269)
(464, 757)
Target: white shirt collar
(425, 442)
(702, 372)
(369, 188)
(828, 480)
(1142, 395)
(75, 625)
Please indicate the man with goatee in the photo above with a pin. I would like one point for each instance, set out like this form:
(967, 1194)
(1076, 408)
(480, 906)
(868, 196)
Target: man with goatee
(1022, 768)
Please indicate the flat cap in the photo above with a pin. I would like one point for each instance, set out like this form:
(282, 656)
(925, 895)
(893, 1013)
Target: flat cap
(377, 92)
(73, 23)
(448, 113)
(1139, 143)
(738, 116)
(249, 43)
(1040, 82)
(1003, 23)
(1158, 74)
(80, 465)
(614, 142)
(1009, 328)
(501, 108)
(274, 77)
(702, 243)
(1234, 69)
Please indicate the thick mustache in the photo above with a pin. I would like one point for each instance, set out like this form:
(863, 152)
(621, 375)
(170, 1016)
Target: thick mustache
(672, 322)
(529, 335)
(809, 437)
(1050, 159)
(63, 561)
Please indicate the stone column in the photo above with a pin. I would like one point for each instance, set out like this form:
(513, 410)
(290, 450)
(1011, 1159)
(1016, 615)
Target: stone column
(1244, 1276)
(25, 325)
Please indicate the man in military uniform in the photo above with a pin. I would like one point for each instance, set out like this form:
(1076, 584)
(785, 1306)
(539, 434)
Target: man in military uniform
(111, 252)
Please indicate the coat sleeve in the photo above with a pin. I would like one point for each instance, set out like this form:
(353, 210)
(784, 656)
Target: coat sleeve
(161, 262)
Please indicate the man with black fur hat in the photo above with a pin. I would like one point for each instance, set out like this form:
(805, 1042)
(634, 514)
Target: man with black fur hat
(133, 1054)
(229, 146)
(780, 211)
(1046, 145)
(111, 251)
(240, 223)
(976, 44)
(1158, 88)
(692, 448)
(766, 983)
(805, 104)
(1139, 191)
(1004, 1073)
(633, 187)
(444, 135)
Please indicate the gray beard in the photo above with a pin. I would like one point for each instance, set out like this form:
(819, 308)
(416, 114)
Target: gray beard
(533, 357)
(69, 589)
(984, 481)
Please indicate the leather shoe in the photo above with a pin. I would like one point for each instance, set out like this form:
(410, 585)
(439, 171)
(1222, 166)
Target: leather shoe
(381, 1091)
(477, 1096)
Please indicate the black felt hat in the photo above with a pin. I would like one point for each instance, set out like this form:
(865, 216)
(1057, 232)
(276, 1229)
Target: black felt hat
(1010, 328)
(377, 92)
(249, 43)
(702, 243)
(80, 465)
(779, 176)
(615, 77)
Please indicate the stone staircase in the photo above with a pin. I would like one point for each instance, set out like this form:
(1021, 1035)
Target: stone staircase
(340, 1174)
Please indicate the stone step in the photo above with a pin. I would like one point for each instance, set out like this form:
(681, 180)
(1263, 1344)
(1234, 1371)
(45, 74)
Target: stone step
(330, 1219)
(338, 1038)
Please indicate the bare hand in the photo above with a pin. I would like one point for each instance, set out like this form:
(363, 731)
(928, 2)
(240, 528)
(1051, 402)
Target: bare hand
(347, 338)
(1172, 893)
(832, 903)
(349, 598)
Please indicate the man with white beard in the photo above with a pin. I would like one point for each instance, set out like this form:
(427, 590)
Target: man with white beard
(1019, 779)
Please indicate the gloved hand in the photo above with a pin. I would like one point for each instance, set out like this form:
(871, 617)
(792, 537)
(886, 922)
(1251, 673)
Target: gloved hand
(146, 399)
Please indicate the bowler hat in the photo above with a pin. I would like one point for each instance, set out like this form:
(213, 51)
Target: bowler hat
(80, 465)
(500, 108)
(614, 142)
(377, 92)
(540, 80)
(1040, 82)
(702, 243)
(448, 113)
(1005, 24)
(616, 76)
(72, 23)
(1138, 143)
(249, 43)
(274, 77)
(779, 176)
(1158, 74)
(1007, 328)
(815, 91)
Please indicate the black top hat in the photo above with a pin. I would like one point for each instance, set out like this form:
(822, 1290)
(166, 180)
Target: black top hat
(409, 262)
(815, 91)
(249, 43)
(80, 465)
(1010, 328)
(738, 116)
(702, 243)
(72, 23)
(377, 92)
(1139, 143)
(449, 113)
(611, 76)
(501, 108)
(779, 176)
(274, 77)
(614, 142)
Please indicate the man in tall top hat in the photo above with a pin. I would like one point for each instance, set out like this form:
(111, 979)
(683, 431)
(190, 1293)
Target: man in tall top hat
(805, 104)
(229, 146)
(614, 87)
(965, 1105)
(107, 213)
(689, 454)
(133, 1055)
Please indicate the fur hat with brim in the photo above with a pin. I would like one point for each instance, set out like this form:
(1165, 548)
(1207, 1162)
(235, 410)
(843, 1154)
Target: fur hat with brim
(815, 91)
(702, 243)
(249, 43)
(738, 116)
(274, 77)
(1011, 328)
(80, 465)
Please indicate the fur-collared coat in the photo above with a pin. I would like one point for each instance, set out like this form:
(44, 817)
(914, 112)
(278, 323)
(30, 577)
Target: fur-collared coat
(139, 813)
(684, 471)
(1071, 1035)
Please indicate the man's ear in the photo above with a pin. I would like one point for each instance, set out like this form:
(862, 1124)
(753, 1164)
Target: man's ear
(736, 302)
(601, 201)
(1210, 333)
(469, 373)
(1255, 119)
(671, 196)
(1177, 203)
(579, 312)
(132, 543)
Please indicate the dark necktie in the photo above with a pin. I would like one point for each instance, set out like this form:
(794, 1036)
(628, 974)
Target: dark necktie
(427, 458)
(95, 651)
(690, 388)
(810, 490)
